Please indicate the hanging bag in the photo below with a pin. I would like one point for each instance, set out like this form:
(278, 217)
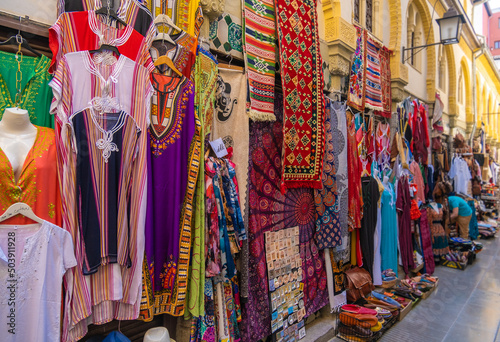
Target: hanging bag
(358, 283)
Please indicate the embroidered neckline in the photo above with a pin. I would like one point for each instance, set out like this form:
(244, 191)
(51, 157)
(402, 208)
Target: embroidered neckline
(96, 26)
(92, 68)
(106, 143)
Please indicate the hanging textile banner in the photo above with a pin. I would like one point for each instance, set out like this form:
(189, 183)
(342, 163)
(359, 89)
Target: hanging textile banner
(270, 210)
(328, 228)
(302, 81)
(231, 123)
(373, 90)
(260, 48)
(385, 81)
(356, 95)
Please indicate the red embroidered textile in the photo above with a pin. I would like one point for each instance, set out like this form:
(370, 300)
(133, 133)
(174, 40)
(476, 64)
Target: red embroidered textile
(302, 81)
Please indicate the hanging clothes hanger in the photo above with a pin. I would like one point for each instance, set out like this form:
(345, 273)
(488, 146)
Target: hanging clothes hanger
(165, 20)
(22, 209)
(229, 66)
(106, 47)
(19, 40)
(110, 13)
(168, 61)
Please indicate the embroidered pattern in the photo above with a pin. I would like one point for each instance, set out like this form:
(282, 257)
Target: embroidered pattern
(356, 95)
(260, 35)
(302, 80)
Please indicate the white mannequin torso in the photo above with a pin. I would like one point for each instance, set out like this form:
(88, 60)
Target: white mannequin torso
(17, 136)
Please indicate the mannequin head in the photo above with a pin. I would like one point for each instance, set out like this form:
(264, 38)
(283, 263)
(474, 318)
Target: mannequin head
(16, 121)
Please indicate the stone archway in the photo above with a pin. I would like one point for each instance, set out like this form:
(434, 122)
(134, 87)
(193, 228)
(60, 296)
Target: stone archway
(428, 27)
(452, 77)
(466, 76)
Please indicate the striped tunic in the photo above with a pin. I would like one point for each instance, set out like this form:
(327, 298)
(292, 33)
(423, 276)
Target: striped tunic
(131, 12)
(113, 292)
(80, 31)
(105, 146)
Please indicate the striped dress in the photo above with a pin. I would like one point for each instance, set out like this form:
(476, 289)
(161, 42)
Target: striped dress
(114, 291)
(105, 145)
(80, 31)
(131, 12)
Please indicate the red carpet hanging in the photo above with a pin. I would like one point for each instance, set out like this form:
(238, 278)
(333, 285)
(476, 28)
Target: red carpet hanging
(302, 81)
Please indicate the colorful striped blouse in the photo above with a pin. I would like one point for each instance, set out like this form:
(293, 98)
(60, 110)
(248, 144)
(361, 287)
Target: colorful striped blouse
(131, 12)
(114, 291)
(105, 145)
(80, 31)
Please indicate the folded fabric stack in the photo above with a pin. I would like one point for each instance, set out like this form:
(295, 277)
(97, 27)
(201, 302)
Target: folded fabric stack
(486, 230)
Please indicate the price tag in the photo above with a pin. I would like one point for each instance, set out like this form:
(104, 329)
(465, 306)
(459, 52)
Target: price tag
(219, 148)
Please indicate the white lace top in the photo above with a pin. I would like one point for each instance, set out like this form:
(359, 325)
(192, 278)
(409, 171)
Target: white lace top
(33, 260)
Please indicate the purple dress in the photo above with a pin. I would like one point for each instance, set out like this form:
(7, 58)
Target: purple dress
(172, 171)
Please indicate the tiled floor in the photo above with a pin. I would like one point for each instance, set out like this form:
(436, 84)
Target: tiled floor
(465, 306)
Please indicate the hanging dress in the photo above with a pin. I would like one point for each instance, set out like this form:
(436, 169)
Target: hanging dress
(403, 205)
(105, 145)
(88, 32)
(174, 138)
(132, 12)
(383, 145)
(369, 222)
(389, 241)
(439, 238)
(78, 82)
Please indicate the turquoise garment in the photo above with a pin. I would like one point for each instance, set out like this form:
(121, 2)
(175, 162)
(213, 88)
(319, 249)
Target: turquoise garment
(458, 202)
(473, 227)
(389, 239)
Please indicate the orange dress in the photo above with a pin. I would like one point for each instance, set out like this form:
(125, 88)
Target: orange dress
(37, 185)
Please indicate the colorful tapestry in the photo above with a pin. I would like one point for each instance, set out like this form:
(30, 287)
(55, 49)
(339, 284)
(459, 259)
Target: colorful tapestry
(231, 123)
(341, 253)
(260, 46)
(373, 90)
(326, 199)
(356, 95)
(226, 35)
(302, 80)
(272, 210)
(385, 81)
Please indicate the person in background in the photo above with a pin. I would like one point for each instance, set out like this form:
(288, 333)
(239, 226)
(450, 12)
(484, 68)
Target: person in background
(461, 213)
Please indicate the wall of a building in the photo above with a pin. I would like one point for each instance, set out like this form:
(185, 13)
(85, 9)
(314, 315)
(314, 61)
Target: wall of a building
(494, 33)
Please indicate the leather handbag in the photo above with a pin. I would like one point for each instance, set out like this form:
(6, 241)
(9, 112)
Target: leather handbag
(358, 283)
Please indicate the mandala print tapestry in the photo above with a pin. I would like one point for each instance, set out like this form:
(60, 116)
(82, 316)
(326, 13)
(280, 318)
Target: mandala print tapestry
(260, 49)
(272, 210)
(328, 228)
(302, 81)
(356, 95)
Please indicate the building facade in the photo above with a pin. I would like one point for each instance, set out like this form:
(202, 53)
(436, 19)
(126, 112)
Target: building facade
(464, 75)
